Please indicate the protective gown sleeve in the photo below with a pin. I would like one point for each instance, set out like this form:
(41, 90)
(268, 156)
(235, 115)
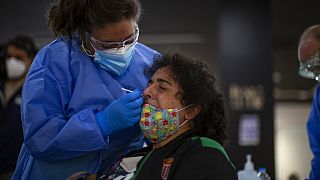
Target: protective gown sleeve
(313, 128)
(48, 131)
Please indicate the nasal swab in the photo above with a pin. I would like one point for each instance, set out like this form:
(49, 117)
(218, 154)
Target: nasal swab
(126, 90)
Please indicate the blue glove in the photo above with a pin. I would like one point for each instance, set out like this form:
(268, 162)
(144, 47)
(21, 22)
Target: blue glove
(121, 113)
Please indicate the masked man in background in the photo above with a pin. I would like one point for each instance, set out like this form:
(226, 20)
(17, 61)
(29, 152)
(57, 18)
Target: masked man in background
(16, 58)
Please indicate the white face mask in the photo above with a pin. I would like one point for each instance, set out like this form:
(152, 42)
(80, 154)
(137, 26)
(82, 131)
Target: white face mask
(15, 68)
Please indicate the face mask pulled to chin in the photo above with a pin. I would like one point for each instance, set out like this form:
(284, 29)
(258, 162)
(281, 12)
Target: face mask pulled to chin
(158, 124)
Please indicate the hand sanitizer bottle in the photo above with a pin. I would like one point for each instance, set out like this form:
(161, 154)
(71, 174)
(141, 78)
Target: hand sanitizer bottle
(248, 173)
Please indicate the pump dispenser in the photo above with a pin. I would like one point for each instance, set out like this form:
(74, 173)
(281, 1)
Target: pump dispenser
(248, 173)
(249, 165)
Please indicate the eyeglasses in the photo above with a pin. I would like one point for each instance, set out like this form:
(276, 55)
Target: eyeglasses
(107, 45)
(310, 69)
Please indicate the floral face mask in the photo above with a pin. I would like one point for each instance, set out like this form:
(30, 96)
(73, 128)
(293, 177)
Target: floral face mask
(158, 124)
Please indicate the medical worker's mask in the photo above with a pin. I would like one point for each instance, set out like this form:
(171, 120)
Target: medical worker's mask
(114, 57)
(158, 124)
(310, 69)
(15, 68)
(115, 61)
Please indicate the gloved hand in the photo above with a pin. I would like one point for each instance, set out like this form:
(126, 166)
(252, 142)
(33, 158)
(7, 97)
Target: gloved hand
(121, 113)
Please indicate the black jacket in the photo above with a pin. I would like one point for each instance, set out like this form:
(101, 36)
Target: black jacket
(192, 157)
(11, 134)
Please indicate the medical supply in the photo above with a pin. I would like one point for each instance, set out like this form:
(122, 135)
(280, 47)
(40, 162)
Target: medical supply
(15, 68)
(127, 90)
(130, 91)
(157, 124)
(248, 173)
(114, 63)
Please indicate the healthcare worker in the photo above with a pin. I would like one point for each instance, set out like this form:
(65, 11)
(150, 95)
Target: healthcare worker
(17, 57)
(74, 114)
(309, 57)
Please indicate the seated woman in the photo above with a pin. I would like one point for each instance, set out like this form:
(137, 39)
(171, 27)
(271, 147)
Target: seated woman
(184, 119)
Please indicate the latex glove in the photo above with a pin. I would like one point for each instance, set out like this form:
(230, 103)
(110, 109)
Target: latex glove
(121, 113)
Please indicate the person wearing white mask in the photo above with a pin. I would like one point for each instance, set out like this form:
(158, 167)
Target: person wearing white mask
(18, 55)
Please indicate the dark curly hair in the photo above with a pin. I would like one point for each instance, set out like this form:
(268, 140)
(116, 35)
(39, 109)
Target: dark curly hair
(197, 87)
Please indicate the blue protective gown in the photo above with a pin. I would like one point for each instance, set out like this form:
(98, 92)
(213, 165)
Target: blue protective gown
(63, 90)
(313, 127)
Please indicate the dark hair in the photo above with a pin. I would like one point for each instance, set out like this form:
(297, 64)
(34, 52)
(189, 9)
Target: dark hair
(197, 87)
(26, 43)
(3, 69)
(69, 16)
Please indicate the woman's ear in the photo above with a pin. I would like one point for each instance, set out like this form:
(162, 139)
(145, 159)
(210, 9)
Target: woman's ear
(192, 112)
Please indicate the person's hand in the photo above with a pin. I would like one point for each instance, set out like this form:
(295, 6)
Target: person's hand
(121, 113)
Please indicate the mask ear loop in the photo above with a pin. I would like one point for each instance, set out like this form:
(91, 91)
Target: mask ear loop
(184, 123)
(88, 53)
(183, 109)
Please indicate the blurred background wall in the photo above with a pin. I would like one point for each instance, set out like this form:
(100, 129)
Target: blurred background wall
(251, 47)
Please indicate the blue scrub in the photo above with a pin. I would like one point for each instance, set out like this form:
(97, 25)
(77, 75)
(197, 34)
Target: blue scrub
(63, 90)
(313, 127)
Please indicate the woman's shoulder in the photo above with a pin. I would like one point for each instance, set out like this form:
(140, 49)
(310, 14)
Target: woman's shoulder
(60, 46)
(206, 151)
(53, 59)
(204, 161)
(59, 52)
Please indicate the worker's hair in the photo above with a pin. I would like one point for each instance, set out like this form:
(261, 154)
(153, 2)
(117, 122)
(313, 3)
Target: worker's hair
(25, 43)
(197, 87)
(66, 17)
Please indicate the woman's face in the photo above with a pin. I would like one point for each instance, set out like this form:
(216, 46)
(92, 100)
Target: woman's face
(115, 32)
(17, 67)
(162, 90)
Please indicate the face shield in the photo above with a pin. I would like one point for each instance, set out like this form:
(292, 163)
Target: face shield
(310, 69)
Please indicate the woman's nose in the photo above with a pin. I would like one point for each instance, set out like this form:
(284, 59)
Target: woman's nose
(147, 93)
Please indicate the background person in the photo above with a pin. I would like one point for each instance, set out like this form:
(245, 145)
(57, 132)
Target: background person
(17, 55)
(74, 114)
(309, 58)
